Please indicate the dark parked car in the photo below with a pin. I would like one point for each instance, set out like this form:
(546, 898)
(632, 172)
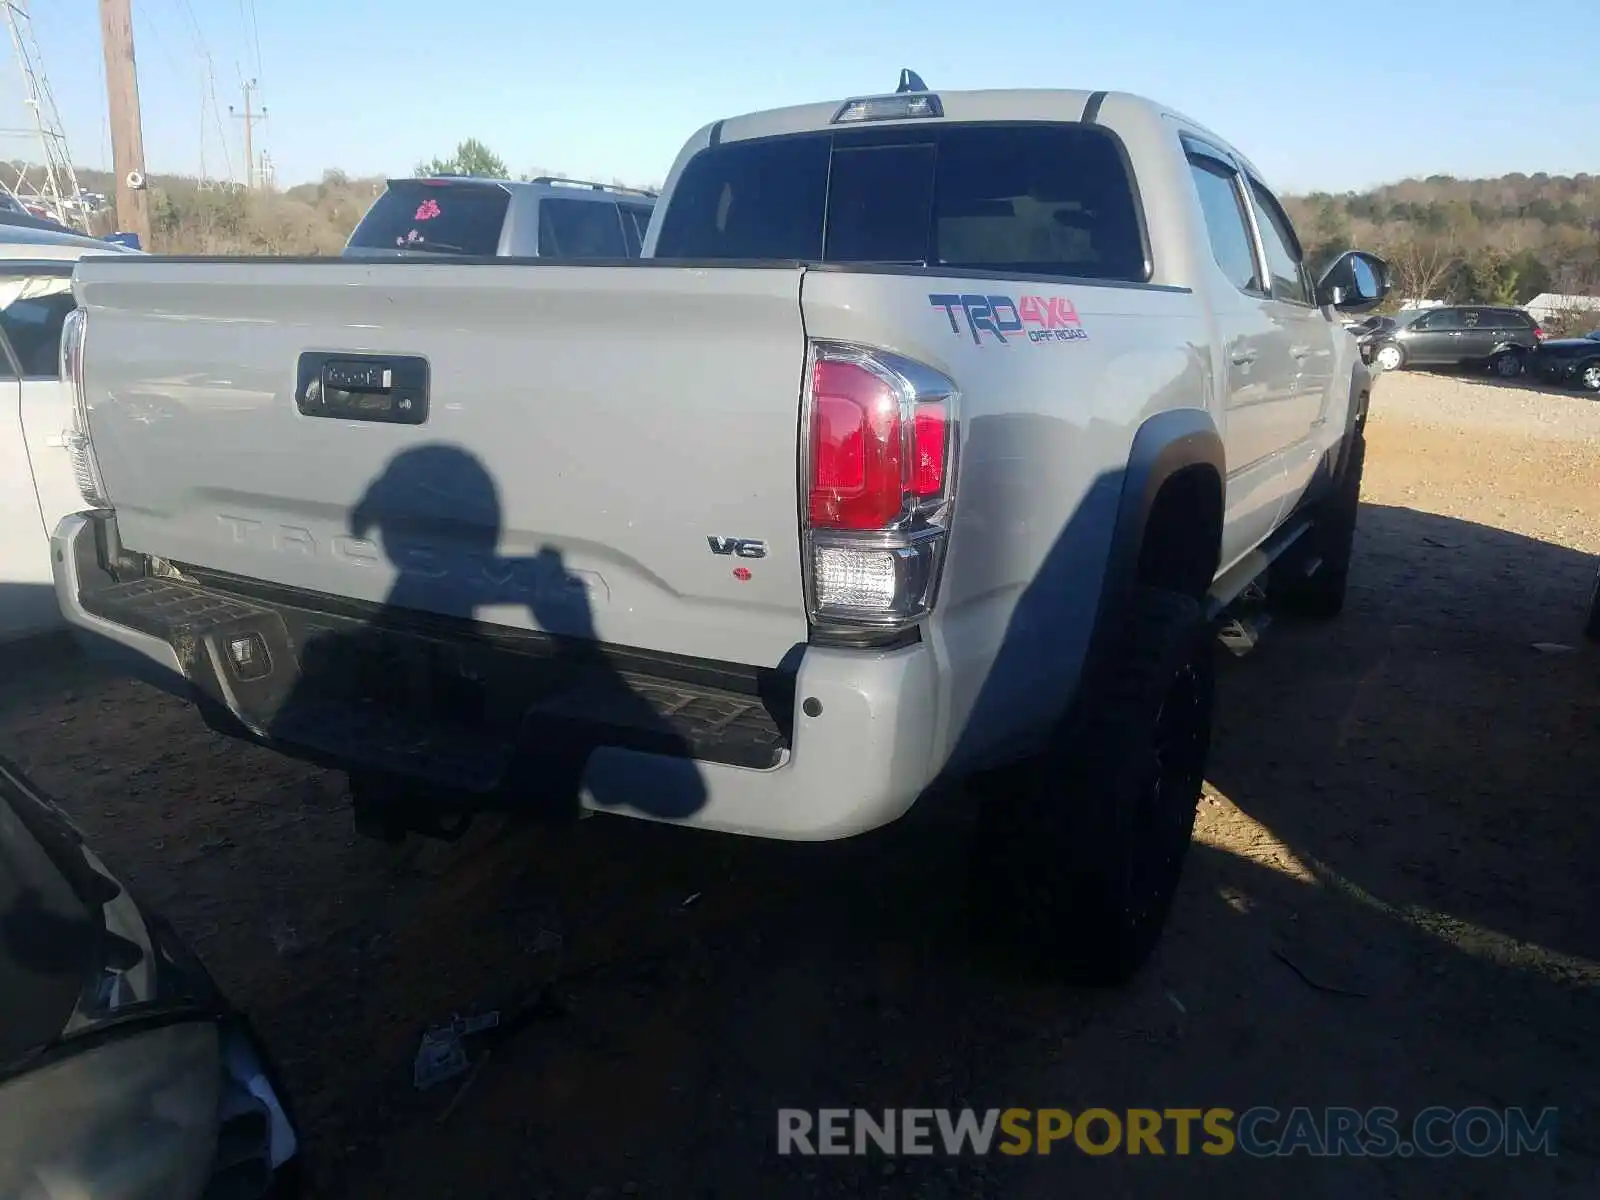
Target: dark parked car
(1571, 362)
(1459, 335)
(123, 1071)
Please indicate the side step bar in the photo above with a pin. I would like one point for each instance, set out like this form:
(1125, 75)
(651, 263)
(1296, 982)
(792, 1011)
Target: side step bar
(1231, 584)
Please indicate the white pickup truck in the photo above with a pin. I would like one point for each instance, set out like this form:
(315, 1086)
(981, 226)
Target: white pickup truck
(927, 439)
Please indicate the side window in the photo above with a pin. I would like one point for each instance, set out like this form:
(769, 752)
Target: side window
(1226, 223)
(1283, 248)
(580, 229)
(1444, 319)
(1472, 318)
(32, 311)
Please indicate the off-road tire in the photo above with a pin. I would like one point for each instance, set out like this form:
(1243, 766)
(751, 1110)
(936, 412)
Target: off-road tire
(1078, 853)
(1330, 541)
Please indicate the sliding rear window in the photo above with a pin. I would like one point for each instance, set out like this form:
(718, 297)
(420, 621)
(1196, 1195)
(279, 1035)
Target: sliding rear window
(1030, 199)
(436, 217)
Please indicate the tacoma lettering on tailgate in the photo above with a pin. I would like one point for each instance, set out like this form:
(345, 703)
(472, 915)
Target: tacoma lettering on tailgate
(1040, 318)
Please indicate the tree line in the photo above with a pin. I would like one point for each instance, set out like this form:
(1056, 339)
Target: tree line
(1487, 241)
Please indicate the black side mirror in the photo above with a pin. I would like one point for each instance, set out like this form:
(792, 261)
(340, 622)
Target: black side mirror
(1356, 282)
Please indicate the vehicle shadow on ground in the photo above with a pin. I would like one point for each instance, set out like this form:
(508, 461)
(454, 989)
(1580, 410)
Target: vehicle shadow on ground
(1389, 903)
(1453, 726)
(1526, 382)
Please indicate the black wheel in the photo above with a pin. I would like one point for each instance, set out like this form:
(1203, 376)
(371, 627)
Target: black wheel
(1389, 357)
(1329, 543)
(1591, 626)
(1589, 376)
(1507, 364)
(1078, 853)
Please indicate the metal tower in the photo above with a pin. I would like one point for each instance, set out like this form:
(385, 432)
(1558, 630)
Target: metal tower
(52, 184)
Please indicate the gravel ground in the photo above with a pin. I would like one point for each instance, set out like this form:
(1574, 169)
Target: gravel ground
(1470, 402)
(1391, 902)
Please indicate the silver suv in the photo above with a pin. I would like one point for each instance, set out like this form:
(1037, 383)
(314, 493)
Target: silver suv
(483, 218)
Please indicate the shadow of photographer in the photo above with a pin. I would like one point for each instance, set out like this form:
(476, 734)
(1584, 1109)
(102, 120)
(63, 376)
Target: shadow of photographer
(448, 713)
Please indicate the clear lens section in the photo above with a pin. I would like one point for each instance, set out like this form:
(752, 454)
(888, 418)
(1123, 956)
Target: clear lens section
(874, 585)
(859, 579)
(80, 450)
(134, 1119)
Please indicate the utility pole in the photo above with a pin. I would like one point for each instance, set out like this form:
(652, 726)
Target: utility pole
(249, 117)
(127, 137)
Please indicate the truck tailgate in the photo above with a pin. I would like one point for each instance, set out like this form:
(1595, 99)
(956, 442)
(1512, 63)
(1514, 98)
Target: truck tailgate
(606, 452)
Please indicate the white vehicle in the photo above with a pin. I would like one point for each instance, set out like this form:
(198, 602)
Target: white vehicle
(37, 486)
(924, 440)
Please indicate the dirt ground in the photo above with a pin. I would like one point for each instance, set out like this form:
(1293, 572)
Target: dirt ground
(1392, 902)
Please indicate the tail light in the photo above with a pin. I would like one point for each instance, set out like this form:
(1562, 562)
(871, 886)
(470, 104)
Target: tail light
(878, 476)
(1539, 334)
(85, 469)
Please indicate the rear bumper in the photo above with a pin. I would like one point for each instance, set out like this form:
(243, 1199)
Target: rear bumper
(840, 744)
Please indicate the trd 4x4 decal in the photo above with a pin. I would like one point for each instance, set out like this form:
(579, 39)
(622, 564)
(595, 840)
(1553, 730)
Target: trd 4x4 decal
(1038, 318)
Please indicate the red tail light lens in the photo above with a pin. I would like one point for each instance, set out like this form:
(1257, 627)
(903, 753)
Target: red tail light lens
(1539, 334)
(863, 465)
(856, 450)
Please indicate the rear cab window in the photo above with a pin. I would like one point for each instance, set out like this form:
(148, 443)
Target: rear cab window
(580, 229)
(1031, 199)
(436, 217)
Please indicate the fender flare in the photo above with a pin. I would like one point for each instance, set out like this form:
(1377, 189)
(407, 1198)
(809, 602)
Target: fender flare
(1355, 414)
(1165, 444)
(1502, 347)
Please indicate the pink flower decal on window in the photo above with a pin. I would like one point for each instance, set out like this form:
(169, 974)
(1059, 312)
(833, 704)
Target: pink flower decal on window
(427, 210)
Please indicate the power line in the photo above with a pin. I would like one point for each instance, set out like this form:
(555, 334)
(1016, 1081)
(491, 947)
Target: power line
(252, 31)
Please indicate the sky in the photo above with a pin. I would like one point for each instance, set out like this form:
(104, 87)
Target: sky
(1328, 97)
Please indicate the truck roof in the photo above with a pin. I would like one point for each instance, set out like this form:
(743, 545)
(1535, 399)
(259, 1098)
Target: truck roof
(988, 105)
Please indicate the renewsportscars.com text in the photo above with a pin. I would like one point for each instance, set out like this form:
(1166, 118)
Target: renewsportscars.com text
(1260, 1132)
